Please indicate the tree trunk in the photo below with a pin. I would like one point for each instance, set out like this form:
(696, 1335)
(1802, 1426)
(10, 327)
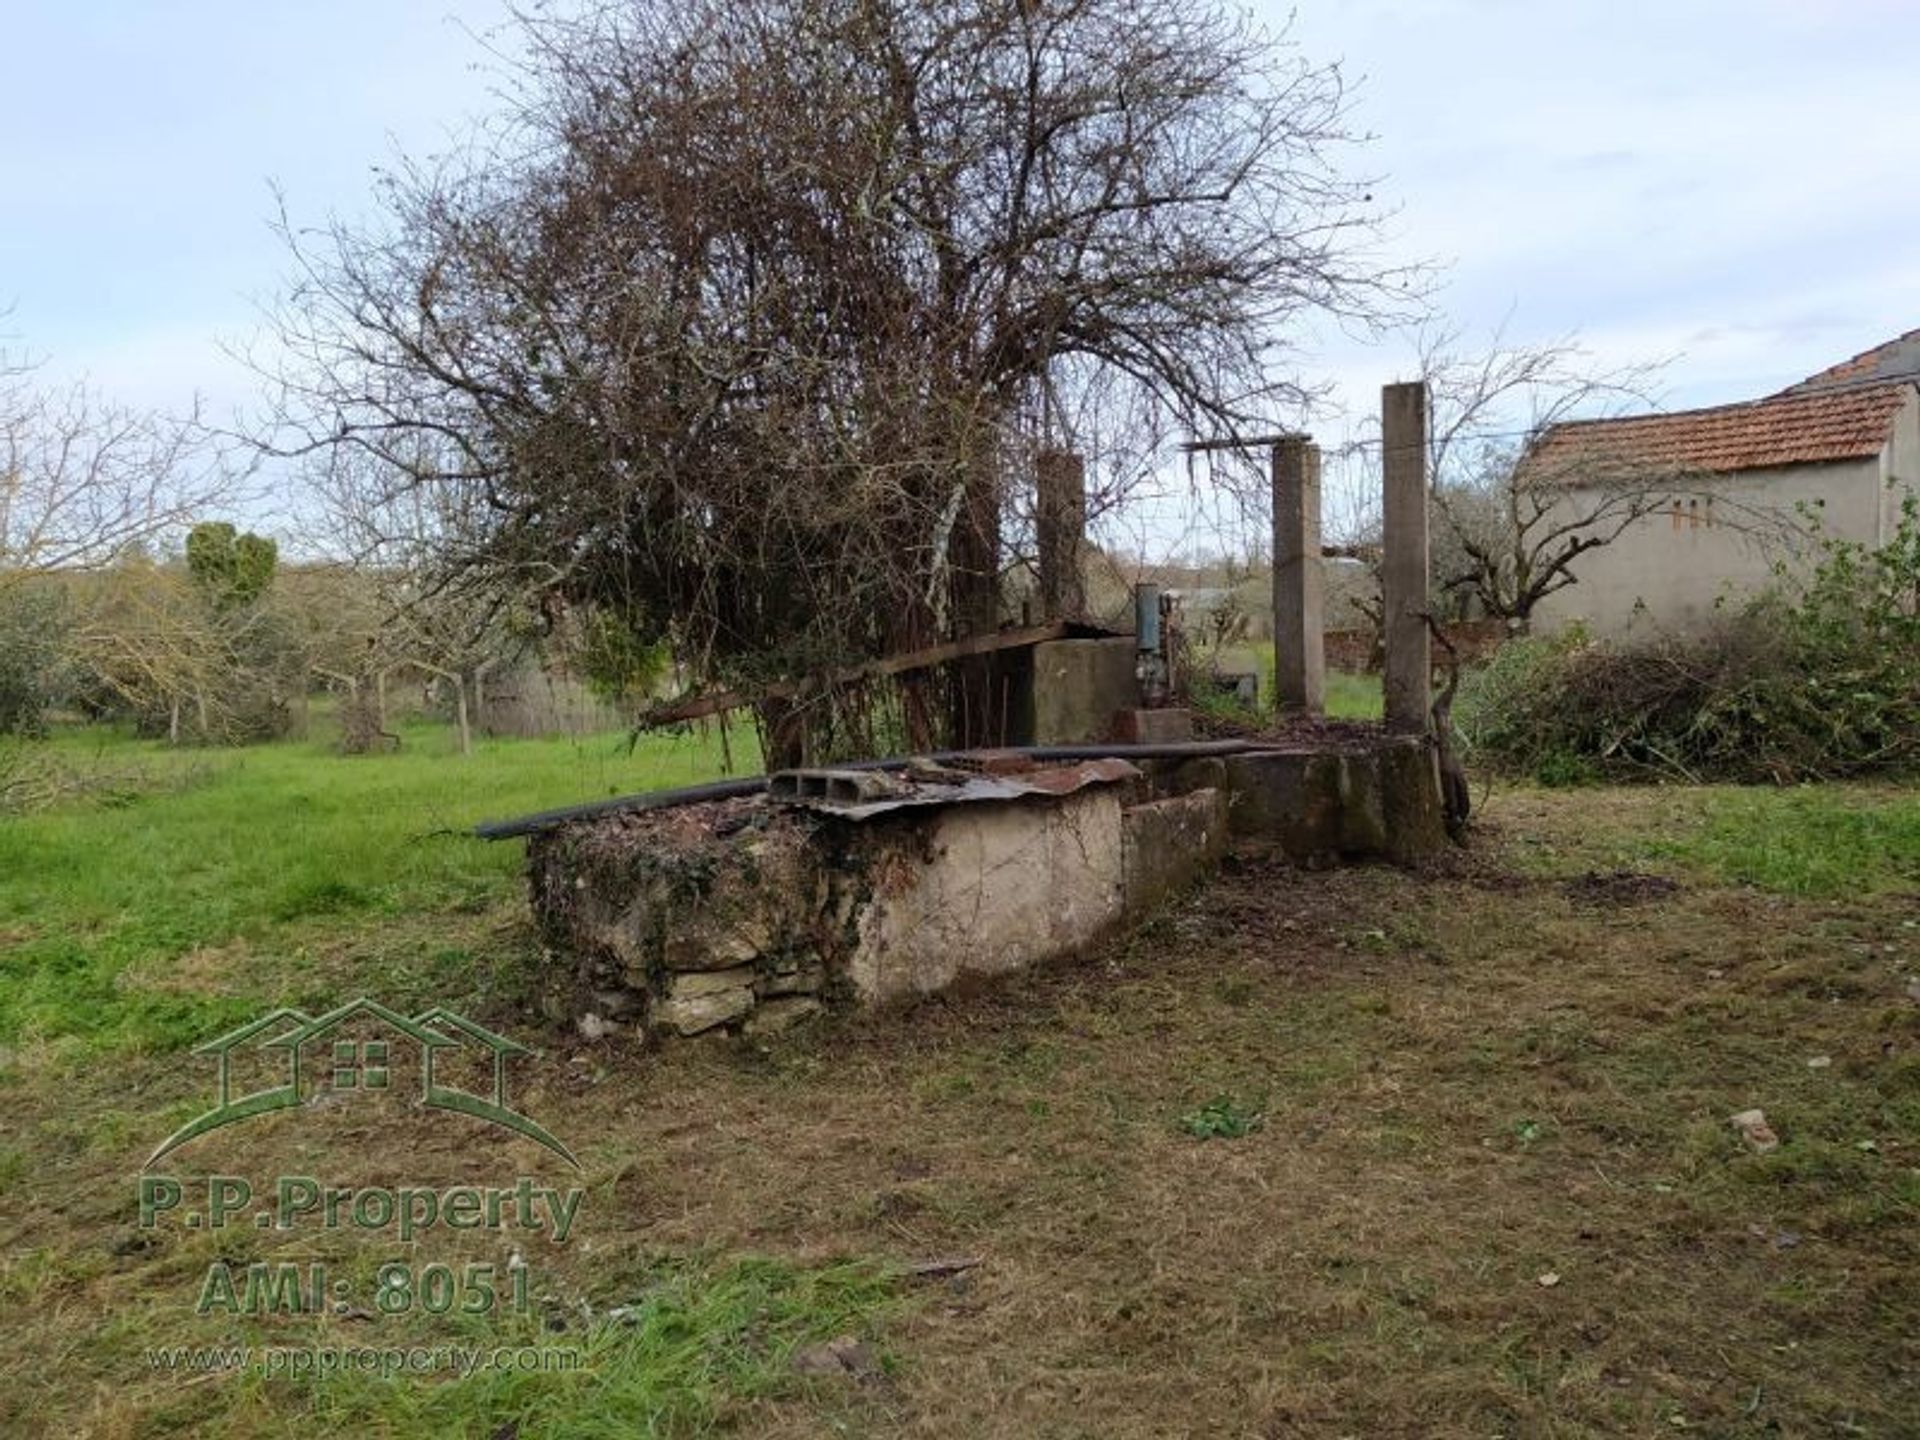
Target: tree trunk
(975, 591)
(783, 734)
(460, 712)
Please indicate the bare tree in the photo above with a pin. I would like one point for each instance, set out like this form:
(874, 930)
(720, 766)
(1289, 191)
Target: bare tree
(1516, 502)
(405, 616)
(1508, 529)
(82, 480)
(740, 323)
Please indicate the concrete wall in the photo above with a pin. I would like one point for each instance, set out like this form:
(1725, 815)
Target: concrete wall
(1323, 806)
(1900, 465)
(987, 889)
(1678, 570)
(1166, 845)
(1078, 685)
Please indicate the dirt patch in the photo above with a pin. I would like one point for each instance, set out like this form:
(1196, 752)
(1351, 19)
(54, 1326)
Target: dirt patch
(1322, 732)
(1619, 887)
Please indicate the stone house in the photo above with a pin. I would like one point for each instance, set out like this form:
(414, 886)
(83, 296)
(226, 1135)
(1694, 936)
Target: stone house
(1752, 484)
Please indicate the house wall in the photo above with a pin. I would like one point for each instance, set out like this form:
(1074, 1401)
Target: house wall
(1902, 464)
(1676, 573)
(1678, 576)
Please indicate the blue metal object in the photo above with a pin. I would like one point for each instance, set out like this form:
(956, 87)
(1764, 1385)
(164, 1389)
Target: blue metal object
(1146, 617)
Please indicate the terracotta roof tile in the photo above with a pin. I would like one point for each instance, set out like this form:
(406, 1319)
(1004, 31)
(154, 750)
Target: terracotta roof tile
(1797, 428)
(1898, 358)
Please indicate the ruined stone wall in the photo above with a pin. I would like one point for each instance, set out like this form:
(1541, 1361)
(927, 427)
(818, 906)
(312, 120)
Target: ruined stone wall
(752, 914)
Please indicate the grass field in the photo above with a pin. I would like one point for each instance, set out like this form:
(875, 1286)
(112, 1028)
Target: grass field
(1349, 696)
(199, 882)
(1356, 1152)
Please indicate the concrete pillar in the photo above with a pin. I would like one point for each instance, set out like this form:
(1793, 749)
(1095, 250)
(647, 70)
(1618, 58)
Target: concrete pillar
(1299, 580)
(1403, 571)
(1060, 524)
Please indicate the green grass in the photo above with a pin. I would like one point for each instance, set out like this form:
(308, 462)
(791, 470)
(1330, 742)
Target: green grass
(670, 1355)
(1349, 697)
(267, 849)
(1353, 697)
(1814, 840)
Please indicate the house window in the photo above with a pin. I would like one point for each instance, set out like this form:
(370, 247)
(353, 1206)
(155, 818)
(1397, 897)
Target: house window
(357, 1065)
(1693, 514)
(1676, 515)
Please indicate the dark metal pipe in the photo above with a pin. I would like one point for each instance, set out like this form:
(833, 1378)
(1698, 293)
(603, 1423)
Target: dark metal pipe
(755, 784)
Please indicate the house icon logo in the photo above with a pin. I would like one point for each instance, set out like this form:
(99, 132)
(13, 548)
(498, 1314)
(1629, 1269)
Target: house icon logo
(357, 1047)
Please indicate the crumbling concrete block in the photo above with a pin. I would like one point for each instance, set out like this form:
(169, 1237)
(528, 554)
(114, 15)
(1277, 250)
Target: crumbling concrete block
(1168, 844)
(1169, 726)
(746, 914)
(1077, 687)
(1318, 805)
(984, 889)
(1293, 799)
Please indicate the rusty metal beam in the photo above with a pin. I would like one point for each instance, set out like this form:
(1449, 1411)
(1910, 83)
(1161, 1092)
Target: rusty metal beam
(695, 707)
(1243, 442)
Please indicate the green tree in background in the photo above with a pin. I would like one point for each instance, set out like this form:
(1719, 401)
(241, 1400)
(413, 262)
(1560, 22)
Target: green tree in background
(231, 568)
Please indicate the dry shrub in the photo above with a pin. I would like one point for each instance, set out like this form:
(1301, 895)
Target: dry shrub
(1811, 682)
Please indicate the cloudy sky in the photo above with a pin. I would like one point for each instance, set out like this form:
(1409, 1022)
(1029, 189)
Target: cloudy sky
(1727, 182)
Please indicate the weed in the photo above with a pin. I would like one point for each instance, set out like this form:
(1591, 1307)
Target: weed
(1221, 1118)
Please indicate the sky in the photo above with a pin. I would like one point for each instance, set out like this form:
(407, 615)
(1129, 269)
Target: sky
(1728, 185)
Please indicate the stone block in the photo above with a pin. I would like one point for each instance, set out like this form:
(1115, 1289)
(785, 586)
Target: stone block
(709, 982)
(693, 1014)
(715, 942)
(771, 1017)
(1168, 844)
(1170, 726)
(792, 979)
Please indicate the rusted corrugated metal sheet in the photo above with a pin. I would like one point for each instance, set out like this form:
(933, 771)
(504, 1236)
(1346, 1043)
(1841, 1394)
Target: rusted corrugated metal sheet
(834, 793)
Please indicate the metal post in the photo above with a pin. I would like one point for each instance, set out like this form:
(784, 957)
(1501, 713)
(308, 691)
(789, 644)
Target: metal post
(1403, 575)
(1149, 666)
(1299, 579)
